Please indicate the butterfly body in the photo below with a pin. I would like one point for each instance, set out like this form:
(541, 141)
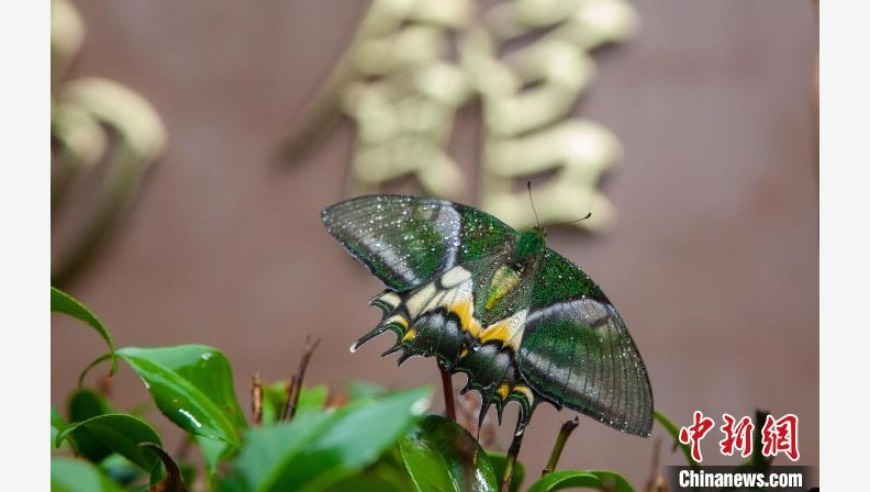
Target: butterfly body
(523, 323)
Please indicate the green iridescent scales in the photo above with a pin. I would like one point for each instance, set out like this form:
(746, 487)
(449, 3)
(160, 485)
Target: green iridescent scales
(521, 321)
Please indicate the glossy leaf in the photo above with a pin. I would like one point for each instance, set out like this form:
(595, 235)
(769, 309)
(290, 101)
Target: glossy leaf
(61, 302)
(121, 433)
(369, 482)
(85, 404)
(319, 449)
(592, 479)
(192, 385)
(441, 455)
(499, 460)
(71, 475)
(386, 475)
(674, 432)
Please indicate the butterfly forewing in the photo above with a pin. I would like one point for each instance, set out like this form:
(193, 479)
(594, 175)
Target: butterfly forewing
(405, 240)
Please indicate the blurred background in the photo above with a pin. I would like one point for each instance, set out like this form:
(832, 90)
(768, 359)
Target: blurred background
(709, 250)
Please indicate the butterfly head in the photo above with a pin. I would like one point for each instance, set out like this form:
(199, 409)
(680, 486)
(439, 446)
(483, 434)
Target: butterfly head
(531, 243)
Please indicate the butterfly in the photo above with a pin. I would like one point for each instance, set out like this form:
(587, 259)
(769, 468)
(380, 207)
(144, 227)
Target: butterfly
(521, 321)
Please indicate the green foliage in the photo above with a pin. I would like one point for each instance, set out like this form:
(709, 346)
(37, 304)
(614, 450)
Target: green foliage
(275, 400)
(192, 385)
(499, 460)
(85, 404)
(441, 455)
(318, 449)
(601, 480)
(118, 432)
(61, 302)
(58, 423)
(674, 432)
(69, 475)
(377, 440)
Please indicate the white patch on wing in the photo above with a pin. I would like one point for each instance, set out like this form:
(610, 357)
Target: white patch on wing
(455, 276)
(588, 311)
(389, 298)
(387, 255)
(417, 302)
(457, 296)
(450, 224)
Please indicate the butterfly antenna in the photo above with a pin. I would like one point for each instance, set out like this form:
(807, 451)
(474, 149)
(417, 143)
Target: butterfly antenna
(534, 210)
(581, 219)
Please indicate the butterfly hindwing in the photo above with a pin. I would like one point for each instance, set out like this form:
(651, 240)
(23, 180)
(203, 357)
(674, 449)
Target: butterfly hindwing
(577, 352)
(406, 240)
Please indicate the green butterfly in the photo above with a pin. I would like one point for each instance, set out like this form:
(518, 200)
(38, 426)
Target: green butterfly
(521, 321)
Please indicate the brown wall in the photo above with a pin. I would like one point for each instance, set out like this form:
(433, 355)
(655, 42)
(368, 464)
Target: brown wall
(714, 263)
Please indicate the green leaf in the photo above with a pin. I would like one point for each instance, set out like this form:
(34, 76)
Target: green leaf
(58, 423)
(213, 451)
(120, 433)
(316, 450)
(595, 479)
(84, 404)
(362, 390)
(71, 475)
(372, 480)
(121, 470)
(385, 475)
(440, 455)
(312, 398)
(499, 460)
(275, 400)
(674, 431)
(61, 302)
(193, 386)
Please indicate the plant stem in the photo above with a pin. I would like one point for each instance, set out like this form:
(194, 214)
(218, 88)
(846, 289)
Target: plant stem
(295, 386)
(656, 481)
(447, 385)
(512, 456)
(257, 399)
(566, 430)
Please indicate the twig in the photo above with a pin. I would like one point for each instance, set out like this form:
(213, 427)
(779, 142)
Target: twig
(566, 430)
(447, 386)
(173, 481)
(514, 450)
(257, 399)
(104, 385)
(656, 482)
(295, 386)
